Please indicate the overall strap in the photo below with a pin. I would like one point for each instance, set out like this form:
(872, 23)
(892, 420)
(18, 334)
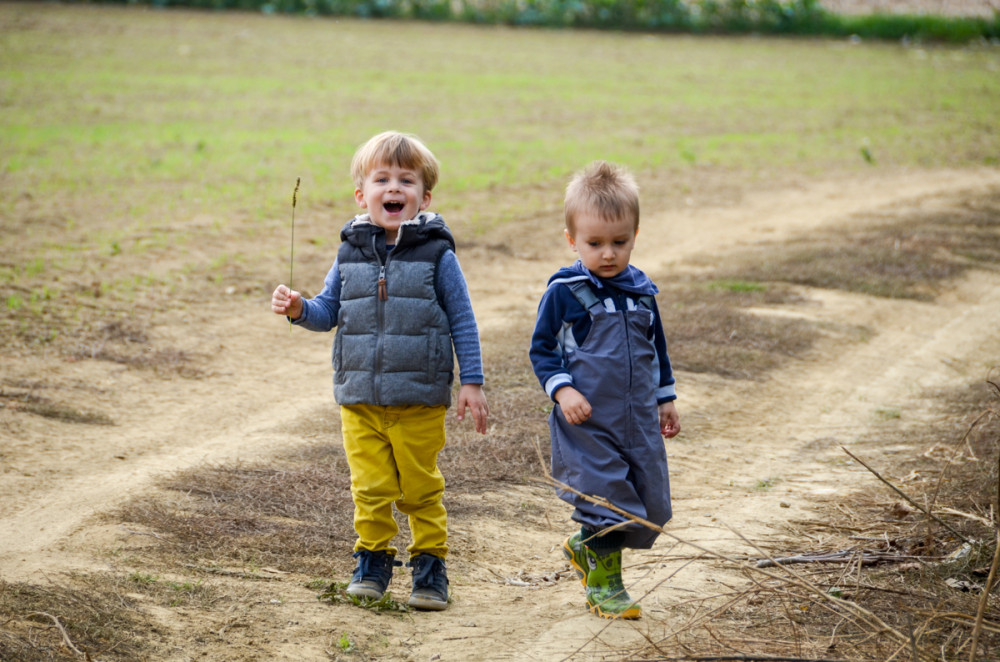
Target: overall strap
(585, 296)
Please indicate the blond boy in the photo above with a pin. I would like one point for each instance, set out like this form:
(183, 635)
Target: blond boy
(399, 301)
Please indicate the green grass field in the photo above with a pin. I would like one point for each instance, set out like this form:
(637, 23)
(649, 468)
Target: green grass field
(148, 114)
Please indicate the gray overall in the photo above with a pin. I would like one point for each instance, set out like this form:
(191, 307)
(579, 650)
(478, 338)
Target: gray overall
(618, 453)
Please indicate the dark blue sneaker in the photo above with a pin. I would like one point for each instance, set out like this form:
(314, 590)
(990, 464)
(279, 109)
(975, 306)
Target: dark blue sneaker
(372, 575)
(430, 583)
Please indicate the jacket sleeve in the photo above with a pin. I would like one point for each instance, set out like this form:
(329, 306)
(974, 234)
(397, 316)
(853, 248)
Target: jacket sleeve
(549, 339)
(320, 313)
(662, 372)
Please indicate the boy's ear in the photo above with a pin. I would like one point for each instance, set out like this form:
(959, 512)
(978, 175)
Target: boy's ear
(426, 202)
(569, 238)
(359, 197)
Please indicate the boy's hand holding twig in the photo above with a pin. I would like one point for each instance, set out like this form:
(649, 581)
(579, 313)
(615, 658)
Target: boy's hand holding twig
(286, 302)
(670, 420)
(575, 407)
(471, 396)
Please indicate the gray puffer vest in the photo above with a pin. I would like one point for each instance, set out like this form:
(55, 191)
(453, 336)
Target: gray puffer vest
(393, 343)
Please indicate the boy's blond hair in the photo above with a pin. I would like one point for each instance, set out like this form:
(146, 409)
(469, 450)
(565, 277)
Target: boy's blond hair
(606, 189)
(392, 148)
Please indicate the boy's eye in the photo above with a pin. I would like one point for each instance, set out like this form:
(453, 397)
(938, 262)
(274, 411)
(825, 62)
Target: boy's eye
(621, 242)
(593, 244)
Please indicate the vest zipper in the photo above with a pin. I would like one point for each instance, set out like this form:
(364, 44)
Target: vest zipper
(380, 307)
(383, 296)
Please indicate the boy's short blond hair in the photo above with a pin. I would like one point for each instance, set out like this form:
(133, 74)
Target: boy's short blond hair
(606, 189)
(392, 148)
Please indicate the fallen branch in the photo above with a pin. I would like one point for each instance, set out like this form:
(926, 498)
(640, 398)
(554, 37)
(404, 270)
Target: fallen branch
(846, 556)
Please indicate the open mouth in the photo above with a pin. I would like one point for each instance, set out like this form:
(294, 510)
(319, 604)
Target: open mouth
(393, 207)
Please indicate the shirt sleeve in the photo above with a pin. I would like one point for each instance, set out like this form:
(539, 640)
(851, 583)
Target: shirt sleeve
(453, 292)
(320, 313)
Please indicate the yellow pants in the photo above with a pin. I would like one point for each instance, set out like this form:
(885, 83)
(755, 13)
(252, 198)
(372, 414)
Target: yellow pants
(392, 453)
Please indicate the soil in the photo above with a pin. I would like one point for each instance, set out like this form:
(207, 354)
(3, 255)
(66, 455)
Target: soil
(755, 457)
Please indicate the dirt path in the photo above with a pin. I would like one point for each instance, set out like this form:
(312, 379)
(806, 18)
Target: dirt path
(765, 452)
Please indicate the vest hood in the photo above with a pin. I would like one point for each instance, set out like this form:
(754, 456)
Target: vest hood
(424, 226)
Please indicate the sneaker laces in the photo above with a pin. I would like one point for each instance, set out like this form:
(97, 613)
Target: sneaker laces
(429, 572)
(375, 566)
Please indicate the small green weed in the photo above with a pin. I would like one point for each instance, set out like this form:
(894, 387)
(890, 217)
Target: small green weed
(737, 286)
(143, 578)
(887, 414)
(336, 593)
(764, 484)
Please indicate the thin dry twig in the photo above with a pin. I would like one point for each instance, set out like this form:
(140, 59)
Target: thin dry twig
(62, 631)
(907, 497)
(984, 601)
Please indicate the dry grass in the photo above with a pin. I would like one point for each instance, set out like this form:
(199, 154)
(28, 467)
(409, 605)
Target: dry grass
(290, 516)
(710, 330)
(30, 402)
(901, 255)
(94, 620)
(127, 343)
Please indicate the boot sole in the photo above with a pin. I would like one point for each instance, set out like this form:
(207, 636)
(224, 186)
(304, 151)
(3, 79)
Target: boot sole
(630, 614)
(426, 604)
(365, 592)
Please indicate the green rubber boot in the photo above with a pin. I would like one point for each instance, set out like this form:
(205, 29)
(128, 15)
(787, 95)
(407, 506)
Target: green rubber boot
(574, 552)
(606, 594)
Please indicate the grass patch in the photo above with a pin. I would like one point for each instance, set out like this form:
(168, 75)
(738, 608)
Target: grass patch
(42, 406)
(909, 257)
(708, 329)
(96, 617)
(295, 517)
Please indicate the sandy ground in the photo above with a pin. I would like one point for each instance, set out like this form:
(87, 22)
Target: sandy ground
(512, 596)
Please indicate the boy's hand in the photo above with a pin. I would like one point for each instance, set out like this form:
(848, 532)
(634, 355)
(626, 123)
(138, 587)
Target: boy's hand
(670, 420)
(286, 302)
(575, 407)
(472, 396)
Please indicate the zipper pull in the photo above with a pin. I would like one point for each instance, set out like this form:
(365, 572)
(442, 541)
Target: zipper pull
(383, 295)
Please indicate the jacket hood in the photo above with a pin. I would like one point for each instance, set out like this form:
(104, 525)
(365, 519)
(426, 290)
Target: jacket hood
(422, 227)
(631, 280)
